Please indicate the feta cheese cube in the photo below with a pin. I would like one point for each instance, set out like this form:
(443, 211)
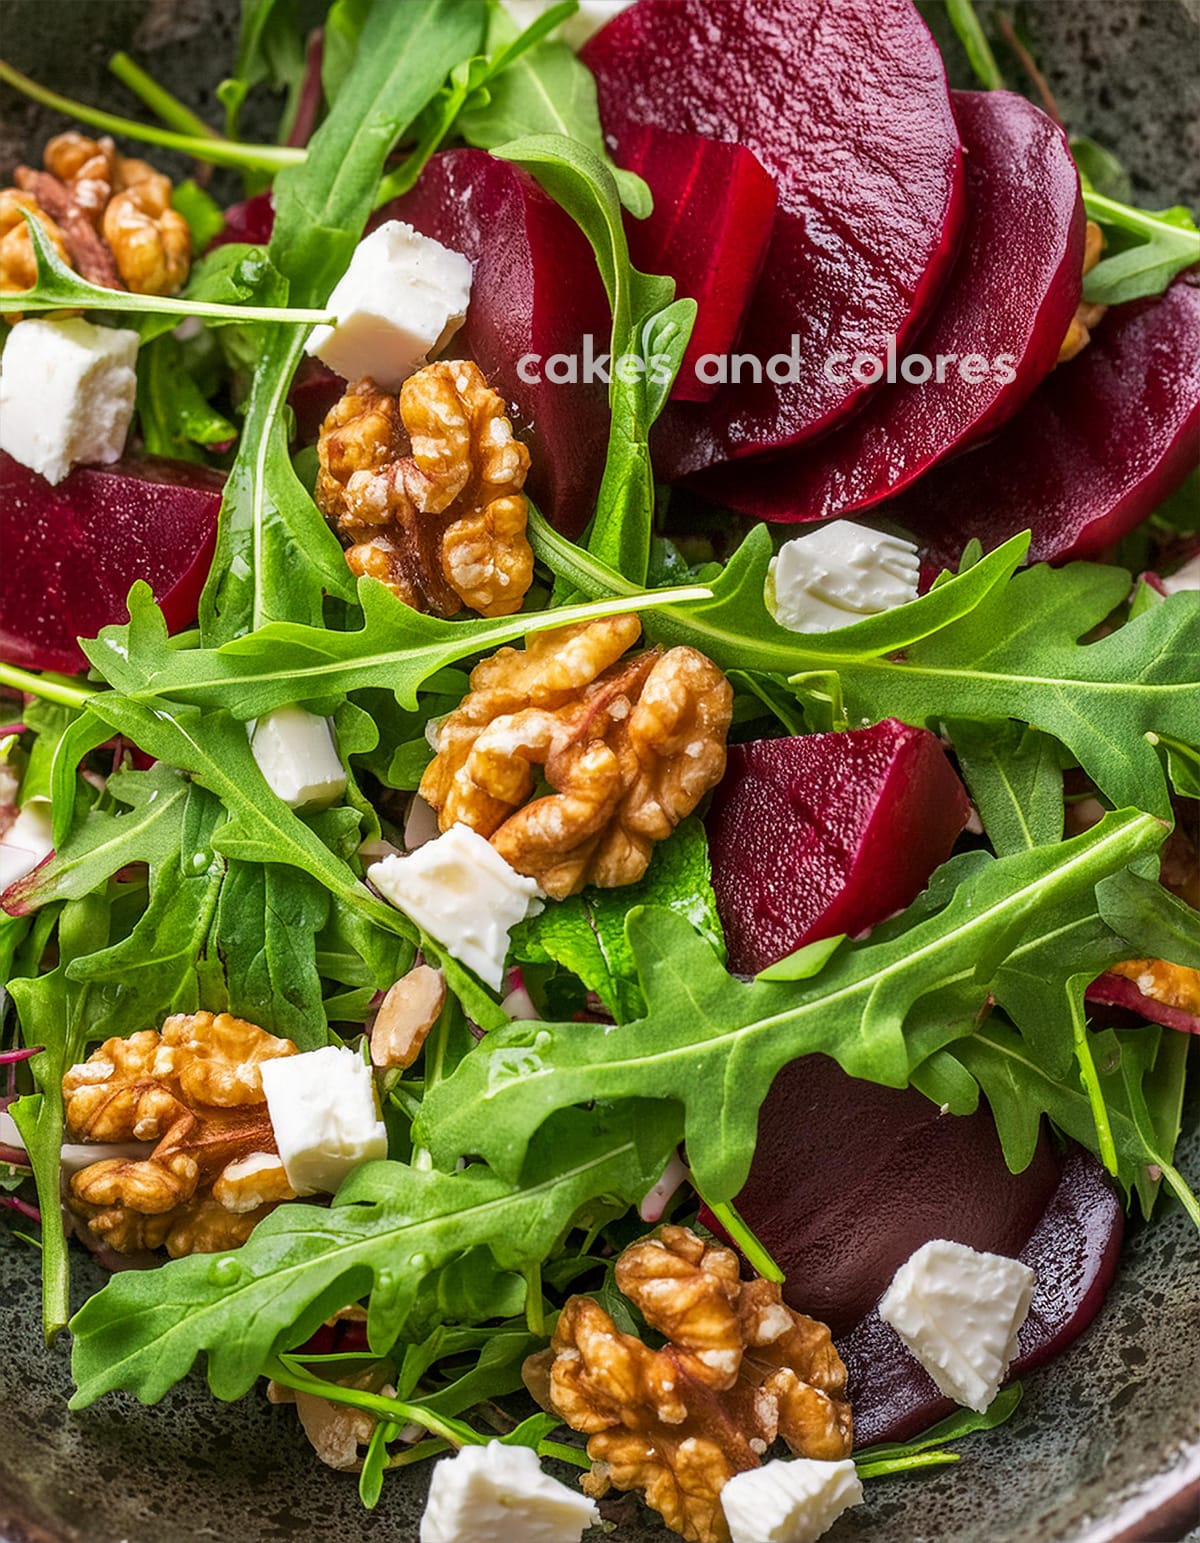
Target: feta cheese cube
(463, 894)
(66, 393)
(494, 1492)
(959, 1312)
(324, 1115)
(789, 1502)
(839, 573)
(577, 29)
(26, 842)
(1183, 579)
(297, 755)
(402, 298)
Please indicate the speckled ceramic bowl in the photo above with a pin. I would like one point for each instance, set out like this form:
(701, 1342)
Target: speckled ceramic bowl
(1106, 1445)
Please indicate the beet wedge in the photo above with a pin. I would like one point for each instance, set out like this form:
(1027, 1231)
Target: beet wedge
(536, 291)
(846, 106)
(1095, 450)
(1111, 990)
(1006, 308)
(714, 209)
(72, 552)
(827, 833)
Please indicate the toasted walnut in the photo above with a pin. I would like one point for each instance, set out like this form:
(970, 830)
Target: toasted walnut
(18, 267)
(739, 1370)
(251, 1182)
(335, 1431)
(1087, 315)
(629, 746)
(150, 241)
(406, 1015)
(87, 251)
(206, 1227)
(195, 1089)
(1175, 985)
(426, 488)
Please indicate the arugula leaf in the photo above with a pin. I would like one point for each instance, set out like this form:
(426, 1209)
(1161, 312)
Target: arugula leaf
(1166, 242)
(204, 215)
(896, 1456)
(975, 44)
(396, 649)
(174, 415)
(879, 1008)
(1145, 913)
(1100, 171)
(1014, 774)
(390, 1227)
(649, 327)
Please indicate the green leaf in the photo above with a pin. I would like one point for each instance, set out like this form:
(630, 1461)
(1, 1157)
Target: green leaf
(1154, 922)
(1166, 242)
(1014, 774)
(975, 44)
(1020, 929)
(271, 51)
(1100, 170)
(895, 1456)
(389, 1228)
(173, 413)
(204, 215)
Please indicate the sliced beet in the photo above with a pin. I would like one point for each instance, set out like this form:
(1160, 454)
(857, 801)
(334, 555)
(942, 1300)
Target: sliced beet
(1111, 990)
(251, 221)
(1074, 1248)
(827, 833)
(1012, 294)
(847, 107)
(1095, 450)
(314, 391)
(72, 552)
(536, 291)
(714, 209)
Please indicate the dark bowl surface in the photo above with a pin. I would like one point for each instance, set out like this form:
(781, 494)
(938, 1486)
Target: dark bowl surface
(1106, 1444)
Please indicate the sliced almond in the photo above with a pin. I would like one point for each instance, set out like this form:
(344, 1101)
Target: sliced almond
(405, 1017)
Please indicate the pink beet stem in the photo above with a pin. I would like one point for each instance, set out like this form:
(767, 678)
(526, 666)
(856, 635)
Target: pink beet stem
(22, 1207)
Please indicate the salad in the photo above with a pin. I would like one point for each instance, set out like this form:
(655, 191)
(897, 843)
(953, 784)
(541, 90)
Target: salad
(597, 672)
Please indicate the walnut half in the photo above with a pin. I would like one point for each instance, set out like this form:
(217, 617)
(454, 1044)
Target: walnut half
(739, 1370)
(426, 488)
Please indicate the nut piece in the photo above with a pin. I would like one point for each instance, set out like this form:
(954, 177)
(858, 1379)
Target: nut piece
(18, 267)
(1175, 985)
(426, 487)
(405, 1017)
(1086, 315)
(195, 1089)
(739, 1370)
(629, 746)
(150, 241)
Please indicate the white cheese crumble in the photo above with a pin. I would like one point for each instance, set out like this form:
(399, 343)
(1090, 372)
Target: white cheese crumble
(1183, 579)
(401, 300)
(789, 1502)
(26, 842)
(67, 390)
(577, 29)
(463, 894)
(491, 1493)
(839, 573)
(297, 755)
(324, 1114)
(959, 1312)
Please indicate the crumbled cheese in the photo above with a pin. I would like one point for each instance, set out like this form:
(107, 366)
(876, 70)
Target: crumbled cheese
(1183, 579)
(960, 1312)
(839, 573)
(463, 894)
(789, 1502)
(26, 842)
(67, 390)
(491, 1493)
(297, 755)
(401, 300)
(325, 1116)
(577, 29)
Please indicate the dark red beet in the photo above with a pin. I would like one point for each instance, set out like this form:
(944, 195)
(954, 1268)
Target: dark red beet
(1074, 1248)
(1012, 295)
(251, 221)
(1094, 451)
(1116, 991)
(536, 290)
(827, 833)
(846, 106)
(314, 391)
(714, 208)
(72, 552)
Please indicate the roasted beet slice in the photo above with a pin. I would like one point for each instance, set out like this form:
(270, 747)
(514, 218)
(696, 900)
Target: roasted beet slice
(1074, 1248)
(536, 291)
(1010, 298)
(846, 106)
(714, 209)
(72, 552)
(1111, 990)
(251, 221)
(1096, 449)
(827, 833)
(314, 391)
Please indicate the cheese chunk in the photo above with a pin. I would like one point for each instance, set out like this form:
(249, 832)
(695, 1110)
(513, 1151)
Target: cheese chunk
(494, 1493)
(25, 843)
(577, 29)
(297, 755)
(402, 298)
(1183, 579)
(463, 894)
(324, 1115)
(66, 393)
(959, 1312)
(789, 1502)
(839, 574)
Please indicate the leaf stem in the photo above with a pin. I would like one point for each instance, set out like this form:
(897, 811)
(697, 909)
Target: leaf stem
(739, 1230)
(563, 1453)
(49, 687)
(887, 1465)
(159, 100)
(395, 1411)
(1090, 1079)
(221, 152)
